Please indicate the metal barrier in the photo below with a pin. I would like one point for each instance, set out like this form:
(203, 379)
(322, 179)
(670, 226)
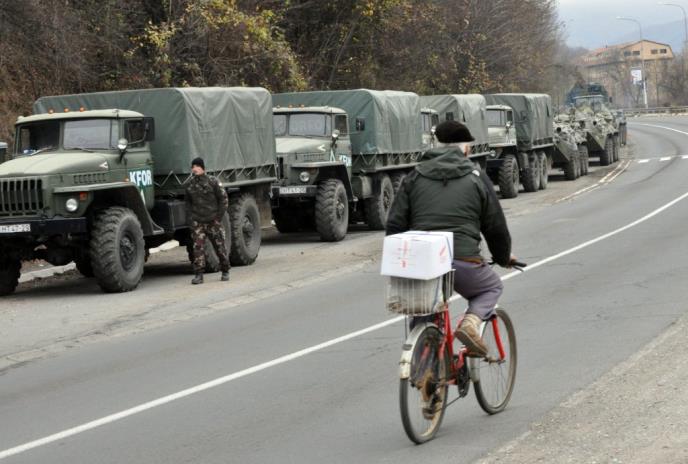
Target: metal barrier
(658, 110)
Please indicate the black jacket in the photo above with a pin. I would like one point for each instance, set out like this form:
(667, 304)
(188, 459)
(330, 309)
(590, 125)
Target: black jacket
(447, 192)
(206, 200)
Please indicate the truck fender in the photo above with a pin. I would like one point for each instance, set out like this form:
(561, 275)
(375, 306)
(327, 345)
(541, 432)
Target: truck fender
(128, 196)
(337, 172)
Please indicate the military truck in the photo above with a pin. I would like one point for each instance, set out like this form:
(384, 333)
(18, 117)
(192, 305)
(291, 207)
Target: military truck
(602, 131)
(521, 133)
(470, 110)
(3, 151)
(98, 178)
(385, 139)
(429, 120)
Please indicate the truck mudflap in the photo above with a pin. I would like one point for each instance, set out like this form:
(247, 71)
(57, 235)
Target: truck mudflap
(294, 191)
(53, 226)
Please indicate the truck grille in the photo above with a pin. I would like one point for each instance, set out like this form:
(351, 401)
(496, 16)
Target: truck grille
(20, 197)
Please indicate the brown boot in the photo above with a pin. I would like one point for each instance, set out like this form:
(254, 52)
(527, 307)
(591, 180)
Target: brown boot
(468, 333)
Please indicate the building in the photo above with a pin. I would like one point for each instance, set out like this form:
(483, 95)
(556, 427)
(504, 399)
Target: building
(619, 69)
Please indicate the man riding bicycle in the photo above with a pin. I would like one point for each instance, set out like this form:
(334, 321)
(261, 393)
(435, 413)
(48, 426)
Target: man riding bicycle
(447, 192)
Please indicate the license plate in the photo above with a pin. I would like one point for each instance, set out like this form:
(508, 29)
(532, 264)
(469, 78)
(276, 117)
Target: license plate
(14, 228)
(292, 190)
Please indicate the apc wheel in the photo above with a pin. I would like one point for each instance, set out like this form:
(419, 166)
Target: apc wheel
(331, 211)
(616, 148)
(423, 395)
(212, 262)
(496, 376)
(532, 174)
(377, 207)
(10, 269)
(545, 168)
(508, 177)
(608, 152)
(571, 169)
(245, 226)
(117, 250)
(583, 158)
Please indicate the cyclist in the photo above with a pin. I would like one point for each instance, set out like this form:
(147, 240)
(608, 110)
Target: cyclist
(447, 192)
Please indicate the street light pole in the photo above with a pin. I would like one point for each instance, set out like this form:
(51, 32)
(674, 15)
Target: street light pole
(685, 22)
(642, 55)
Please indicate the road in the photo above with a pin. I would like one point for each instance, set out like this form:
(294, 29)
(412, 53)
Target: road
(295, 382)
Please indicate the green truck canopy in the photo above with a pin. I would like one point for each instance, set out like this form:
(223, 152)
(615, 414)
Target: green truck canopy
(467, 109)
(392, 119)
(533, 116)
(229, 127)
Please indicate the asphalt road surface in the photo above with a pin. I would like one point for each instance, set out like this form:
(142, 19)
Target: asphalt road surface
(309, 374)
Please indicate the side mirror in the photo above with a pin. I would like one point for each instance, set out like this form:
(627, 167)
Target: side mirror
(433, 129)
(509, 124)
(335, 134)
(360, 124)
(122, 145)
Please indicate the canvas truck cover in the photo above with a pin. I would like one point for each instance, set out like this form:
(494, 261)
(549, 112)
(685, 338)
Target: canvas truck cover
(533, 116)
(467, 109)
(229, 127)
(392, 119)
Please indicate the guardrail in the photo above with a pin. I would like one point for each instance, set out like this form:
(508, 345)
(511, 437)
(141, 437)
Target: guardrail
(658, 110)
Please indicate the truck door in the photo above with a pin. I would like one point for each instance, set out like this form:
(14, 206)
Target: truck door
(138, 159)
(343, 150)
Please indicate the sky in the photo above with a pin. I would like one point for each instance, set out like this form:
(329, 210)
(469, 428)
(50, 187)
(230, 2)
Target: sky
(592, 24)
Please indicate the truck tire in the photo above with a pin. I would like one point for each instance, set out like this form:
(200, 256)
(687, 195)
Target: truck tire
(286, 221)
(508, 177)
(583, 159)
(10, 269)
(607, 153)
(532, 174)
(397, 179)
(377, 207)
(331, 210)
(245, 225)
(212, 262)
(545, 168)
(117, 249)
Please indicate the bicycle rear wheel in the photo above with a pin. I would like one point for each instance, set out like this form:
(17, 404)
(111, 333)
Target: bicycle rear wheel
(423, 395)
(496, 375)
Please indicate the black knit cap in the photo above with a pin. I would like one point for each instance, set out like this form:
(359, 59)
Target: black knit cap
(198, 162)
(453, 132)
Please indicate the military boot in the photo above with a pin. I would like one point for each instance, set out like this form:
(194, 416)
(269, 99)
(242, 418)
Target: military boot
(468, 333)
(198, 279)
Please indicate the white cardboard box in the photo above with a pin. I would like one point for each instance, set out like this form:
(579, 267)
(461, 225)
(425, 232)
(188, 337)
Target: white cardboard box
(417, 255)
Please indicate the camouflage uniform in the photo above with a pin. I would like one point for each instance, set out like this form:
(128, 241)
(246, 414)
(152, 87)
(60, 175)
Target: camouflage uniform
(206, 204)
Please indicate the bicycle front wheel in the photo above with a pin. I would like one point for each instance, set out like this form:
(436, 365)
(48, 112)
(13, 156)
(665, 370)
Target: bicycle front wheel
(423, 395)
(497, 371)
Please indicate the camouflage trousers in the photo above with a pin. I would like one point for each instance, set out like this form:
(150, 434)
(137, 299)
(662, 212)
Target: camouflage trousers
(213, 231)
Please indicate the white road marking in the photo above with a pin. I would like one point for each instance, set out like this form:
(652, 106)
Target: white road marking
(295, 355)
(685, 157)
(606, 179)
(643, 161)
(660, 127)
(665, 158)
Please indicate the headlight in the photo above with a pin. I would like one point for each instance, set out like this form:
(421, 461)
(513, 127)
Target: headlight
(304, 176)
(72, 205)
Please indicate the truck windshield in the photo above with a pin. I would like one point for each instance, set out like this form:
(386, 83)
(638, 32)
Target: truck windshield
(92, 134)
(44, 135)
(279, 122)
(495, 118)
(310, 124)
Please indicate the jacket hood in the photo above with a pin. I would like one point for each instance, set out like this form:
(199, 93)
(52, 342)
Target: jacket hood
(53, 163)
(444, 163)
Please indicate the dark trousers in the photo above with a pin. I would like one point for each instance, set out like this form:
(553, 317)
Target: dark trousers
(213, 231)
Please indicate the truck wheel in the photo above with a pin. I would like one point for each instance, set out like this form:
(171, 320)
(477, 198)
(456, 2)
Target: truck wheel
(583, 159)
(10, 269)
(331, 210)
(117, 249)
(377, 207)
(212, 262)
(577, 165)
(607, 153)
(532, 174)
(508, 177)
(545, 166)
(245, 225)
(286, 221)
(83, 263)
(397, 179)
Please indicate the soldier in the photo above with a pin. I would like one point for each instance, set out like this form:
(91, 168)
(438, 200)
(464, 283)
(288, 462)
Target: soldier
(206, 205)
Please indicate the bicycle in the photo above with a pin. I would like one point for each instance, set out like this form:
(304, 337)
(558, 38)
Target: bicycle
(428, 364)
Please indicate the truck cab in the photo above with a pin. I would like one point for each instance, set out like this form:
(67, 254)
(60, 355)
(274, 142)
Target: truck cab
(429, 120)
(500, 127)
